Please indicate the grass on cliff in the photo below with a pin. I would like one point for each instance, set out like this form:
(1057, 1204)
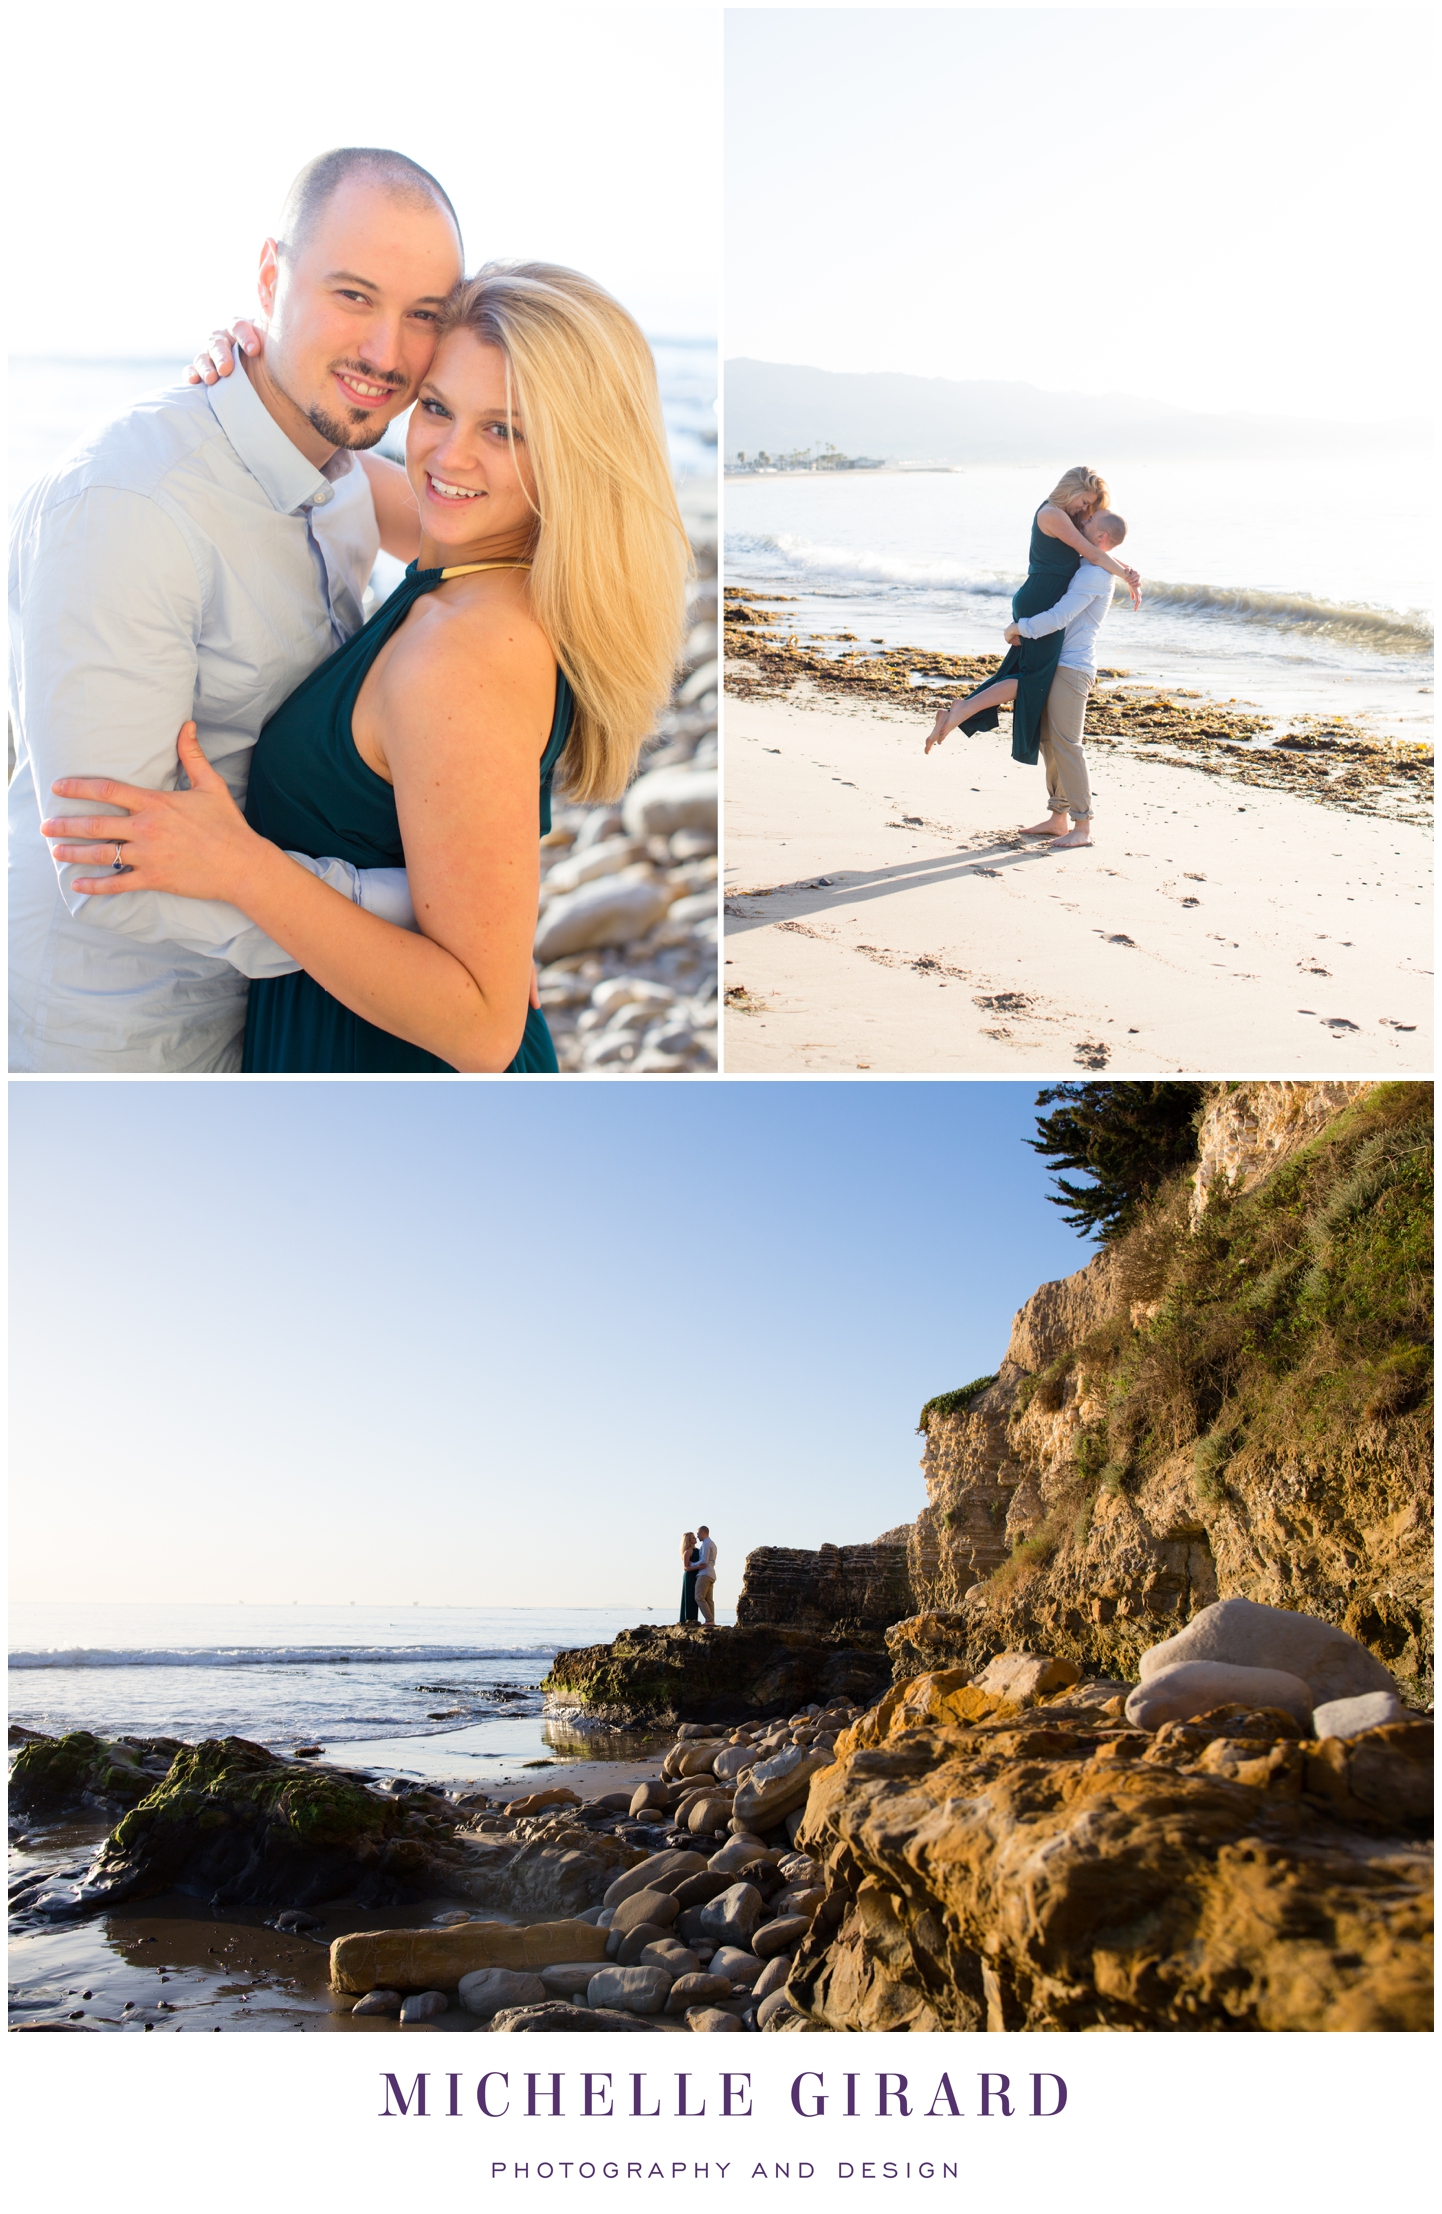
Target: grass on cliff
(956, 1402)
(1294, 1324)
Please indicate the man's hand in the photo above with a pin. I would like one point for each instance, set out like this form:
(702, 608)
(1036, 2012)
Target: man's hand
(196, 843)
(1012, 634)
(217, 359)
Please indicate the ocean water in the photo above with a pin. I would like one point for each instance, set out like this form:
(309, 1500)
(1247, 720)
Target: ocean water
(53, 402)
(429, 1690)
(1297, 588)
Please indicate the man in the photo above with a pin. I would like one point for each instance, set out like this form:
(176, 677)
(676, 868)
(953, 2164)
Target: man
(1079, 615)
(195, 560)
(706, 1576)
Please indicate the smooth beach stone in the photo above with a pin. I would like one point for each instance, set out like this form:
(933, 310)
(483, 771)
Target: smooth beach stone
(1349, 1717)
(773, 2008)
(1194, 1687)
(664, 1952)
(645, 1906)
(668, 800)
(780, 1936)
(735, 1965)
(730, 1918)
(798, 1898)
(428, 1960)
(383, 2002)
(739, 1851)
(421, 2005)
(772, 1977)
(1026, 1677)
(609, 912)
(708, 2018)
(556, 2014)
(446, 1921)
(649, 1795)
(566, 1979)
(701, 1890)
(489, 1989)
(297, 1920)
(1245, 1634)
(775, 1786)
(697, 1759)
(633, 1943)
(730, 1761)
(613, 1802)
(696, 1990)
(634, 1990)
(662, 1872)
(709, 1814)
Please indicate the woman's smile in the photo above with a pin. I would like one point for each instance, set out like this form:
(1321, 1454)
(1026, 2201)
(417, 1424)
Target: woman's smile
(438, 488)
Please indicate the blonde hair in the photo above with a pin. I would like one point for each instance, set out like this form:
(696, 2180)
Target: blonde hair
(611, 558)
(1080, 483)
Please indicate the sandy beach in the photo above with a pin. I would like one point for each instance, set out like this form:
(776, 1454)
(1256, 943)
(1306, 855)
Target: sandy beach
(883, 914)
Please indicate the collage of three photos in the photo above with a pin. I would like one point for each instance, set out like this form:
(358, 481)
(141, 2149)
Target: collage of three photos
(811, 583)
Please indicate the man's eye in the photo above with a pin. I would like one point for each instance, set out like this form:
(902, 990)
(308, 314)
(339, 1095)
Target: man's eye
(355, 296)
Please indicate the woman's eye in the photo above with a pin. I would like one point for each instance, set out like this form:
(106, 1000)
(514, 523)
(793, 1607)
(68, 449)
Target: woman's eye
(433, 407)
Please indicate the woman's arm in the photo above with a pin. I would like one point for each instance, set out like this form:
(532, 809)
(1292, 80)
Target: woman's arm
(1058, 524)
(395, 505)
(463, 753)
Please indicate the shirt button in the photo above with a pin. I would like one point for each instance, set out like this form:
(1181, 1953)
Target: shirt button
(322, 496)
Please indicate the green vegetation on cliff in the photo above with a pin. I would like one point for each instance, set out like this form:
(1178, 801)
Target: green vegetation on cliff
(953, 1402)
(1130, 1139)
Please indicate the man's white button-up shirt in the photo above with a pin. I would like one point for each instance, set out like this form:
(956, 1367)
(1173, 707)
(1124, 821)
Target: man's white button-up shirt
(188, 562)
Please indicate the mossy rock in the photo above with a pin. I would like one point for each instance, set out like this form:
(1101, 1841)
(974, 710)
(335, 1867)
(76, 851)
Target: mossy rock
(55, 1775)
(232, 1821)
(669, 1672)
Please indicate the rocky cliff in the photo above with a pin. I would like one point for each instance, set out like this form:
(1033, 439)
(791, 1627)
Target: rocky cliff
(868, 1586)
(1234, 1399)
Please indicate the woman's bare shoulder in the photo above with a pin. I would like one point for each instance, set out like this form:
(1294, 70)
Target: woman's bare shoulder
(1050, 518)
(472, 641)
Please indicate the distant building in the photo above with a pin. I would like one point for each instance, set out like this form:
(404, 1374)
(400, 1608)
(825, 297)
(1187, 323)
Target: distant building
(804, 460)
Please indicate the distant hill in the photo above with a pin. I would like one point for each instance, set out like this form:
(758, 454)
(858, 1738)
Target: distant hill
(780, 406)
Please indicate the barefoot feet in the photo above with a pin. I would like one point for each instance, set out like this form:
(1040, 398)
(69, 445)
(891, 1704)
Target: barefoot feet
(1079, 835)
(1053, 827)
(941, 728)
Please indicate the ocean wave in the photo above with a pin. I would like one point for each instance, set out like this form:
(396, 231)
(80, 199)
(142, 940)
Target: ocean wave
(1358, 623)
(271, 1656)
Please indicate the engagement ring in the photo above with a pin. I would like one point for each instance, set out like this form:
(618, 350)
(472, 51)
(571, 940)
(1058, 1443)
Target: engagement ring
(117, 866)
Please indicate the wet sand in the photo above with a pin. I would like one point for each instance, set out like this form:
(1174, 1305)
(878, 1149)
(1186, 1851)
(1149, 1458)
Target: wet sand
(883, 914)
(171, 1963)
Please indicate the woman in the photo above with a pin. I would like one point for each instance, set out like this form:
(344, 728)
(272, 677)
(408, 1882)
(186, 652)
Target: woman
(1056, 552)
(535, 635)
(690, 1563)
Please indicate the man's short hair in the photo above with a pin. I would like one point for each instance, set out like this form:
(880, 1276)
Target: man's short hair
(703, 1529)
(1112, 524)
(320, 179)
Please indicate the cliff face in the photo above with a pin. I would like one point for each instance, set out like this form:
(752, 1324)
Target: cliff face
(1233, 1400)
(865, 1586)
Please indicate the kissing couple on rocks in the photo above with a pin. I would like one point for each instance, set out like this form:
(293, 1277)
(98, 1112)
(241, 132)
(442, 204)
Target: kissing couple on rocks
(335, 867)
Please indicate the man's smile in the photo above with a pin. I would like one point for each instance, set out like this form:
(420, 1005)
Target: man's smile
(361, 391)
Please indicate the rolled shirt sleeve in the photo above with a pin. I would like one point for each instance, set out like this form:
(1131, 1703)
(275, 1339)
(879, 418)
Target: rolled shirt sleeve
(1078, 594)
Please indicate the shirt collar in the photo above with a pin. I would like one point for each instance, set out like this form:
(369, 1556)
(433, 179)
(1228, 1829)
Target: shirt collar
(281, 470)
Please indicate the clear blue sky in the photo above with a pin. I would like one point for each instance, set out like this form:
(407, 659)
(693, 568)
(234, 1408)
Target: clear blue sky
(1206, 206)
(490, 1343)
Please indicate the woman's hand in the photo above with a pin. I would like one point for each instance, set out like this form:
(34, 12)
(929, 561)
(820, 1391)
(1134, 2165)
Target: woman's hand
(196, 843)
(217, 359)
(1012, 634)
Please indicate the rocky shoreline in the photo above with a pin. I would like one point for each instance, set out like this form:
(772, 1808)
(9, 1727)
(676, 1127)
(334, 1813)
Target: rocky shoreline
(1327, 759)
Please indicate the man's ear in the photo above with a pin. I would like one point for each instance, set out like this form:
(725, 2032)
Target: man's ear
(268, 278)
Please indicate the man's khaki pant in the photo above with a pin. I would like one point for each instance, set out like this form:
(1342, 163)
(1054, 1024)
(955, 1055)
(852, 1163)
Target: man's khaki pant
(1068, 787)
(705, 1586)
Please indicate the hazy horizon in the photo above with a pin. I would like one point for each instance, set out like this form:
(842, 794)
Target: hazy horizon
(1201, 206)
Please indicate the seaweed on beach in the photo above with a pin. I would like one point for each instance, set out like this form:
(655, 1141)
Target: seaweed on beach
(1323, 758)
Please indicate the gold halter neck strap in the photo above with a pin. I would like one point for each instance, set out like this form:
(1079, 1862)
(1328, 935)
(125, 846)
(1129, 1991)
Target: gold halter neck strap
(469, 568)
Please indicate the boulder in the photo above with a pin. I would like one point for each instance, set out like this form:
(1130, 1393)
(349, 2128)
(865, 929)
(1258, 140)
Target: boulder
(535, 1802)
(1350, 1717)
(731, 1917)
(82, 1772)
(1193, 1687)
(735, 1964)
(671, 799)
(555, 2014)
(780, 1936)
(421, 2005)
(697, 1890)
(650, 1795)
(661, 1872)
(489, 1989)
(564, 1979)
(1244, 1634)
(626, 1948)
(425, 1960)
(729, 1764)
(1023, 1678)
(380, 2002)
(609, 912)
(772, 1977)
(665, 1672)
(738, 1852)
(697, 1760)
(654, 1906)
(695, 1990)
(709, 1814)
(707, 2018)
(677, 1960)
(776, 1786)
(635, 1990)
(772, 2008)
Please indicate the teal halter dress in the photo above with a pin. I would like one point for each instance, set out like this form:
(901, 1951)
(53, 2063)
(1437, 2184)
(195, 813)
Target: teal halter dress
(310, 792)
(1050, 569)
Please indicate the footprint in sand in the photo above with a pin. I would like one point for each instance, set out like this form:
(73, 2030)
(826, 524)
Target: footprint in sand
(1388, 1024)
(1337, 1022)
(1092, 1055)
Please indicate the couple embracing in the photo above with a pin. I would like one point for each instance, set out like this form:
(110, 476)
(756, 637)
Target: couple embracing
(335, 866)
